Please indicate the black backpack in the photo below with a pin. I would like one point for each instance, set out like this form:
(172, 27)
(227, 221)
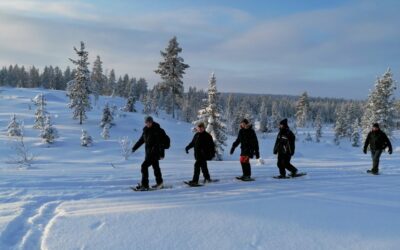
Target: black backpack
(165, 140)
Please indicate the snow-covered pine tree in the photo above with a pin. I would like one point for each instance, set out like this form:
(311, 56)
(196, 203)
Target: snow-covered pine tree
(171, 70)
(49, 133)
(355, 135)
(147, 104)
(211, 116)
(264, 119)
(40, 113)
(106, 132)
(275, 116)
(107, 117)
(79, 89)
(340, 124)
(86, 139)
(14, 128)
(302, 110)
(380, 105)
(126, 147)
(130, 104)
(318, 127)
(97, 79)
(112, 83)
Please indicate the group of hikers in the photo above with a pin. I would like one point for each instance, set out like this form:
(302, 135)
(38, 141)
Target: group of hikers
(156, 141)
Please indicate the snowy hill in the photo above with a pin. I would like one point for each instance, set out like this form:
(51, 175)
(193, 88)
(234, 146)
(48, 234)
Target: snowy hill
(73, 197)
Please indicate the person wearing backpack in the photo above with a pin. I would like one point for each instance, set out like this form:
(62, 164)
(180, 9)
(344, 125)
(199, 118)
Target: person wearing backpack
(204, 150)
(377, 141)
(249, 147)
(285, 148)
(156, 141)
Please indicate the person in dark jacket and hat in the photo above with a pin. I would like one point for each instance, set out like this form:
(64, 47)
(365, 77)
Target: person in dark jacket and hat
(204, 150)
(152, 137)
(377, 141)
(249, 148)
(285, 148)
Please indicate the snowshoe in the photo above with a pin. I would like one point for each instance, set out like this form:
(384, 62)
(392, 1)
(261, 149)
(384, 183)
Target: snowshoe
(158, 186)
(294, 175)
(280, 177)
(139, 187)
(245, 178)
(369, 171)
(210, 181)
(193, 184)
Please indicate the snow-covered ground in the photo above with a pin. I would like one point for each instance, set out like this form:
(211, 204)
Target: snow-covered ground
(73, 198)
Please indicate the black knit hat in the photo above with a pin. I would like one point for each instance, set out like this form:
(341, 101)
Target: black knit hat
(375, 125)
(283, 122)
(200, 125)
(148, 119)
(245, 121)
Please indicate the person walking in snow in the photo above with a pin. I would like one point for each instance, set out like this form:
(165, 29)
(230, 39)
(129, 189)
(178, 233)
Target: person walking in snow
(249, 147)
(204, 150)
(377, 141)
(285, 148)
(156, 141)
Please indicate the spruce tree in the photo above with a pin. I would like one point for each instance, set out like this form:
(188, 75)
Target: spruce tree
(302, 110)
(40, 113)
(97, 79)
(107, 117)
(105, 133)
(380, 105)
(14, 128)
(79, 89)
(211, 116)
(355, 135)
(171, 70)
(130, 104)
(49, 133)
(318, 127)
(264, 119)
(86, 139)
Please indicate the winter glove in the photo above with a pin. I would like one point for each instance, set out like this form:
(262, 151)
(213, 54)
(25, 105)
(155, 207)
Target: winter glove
(232, 150)
(365, 151)
(187, 151)
(260, 162)
(133, 150)
(390, 151)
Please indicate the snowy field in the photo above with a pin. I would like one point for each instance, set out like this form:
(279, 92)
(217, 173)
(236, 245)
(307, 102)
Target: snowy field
(73, 198)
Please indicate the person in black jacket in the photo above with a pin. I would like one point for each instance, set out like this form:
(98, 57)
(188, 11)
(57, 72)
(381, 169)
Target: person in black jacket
(285, 148)
(152, 137)
(249, 147)
(204, 150)
(377, 141)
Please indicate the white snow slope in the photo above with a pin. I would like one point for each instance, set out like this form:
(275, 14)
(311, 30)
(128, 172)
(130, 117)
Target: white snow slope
(73, 198)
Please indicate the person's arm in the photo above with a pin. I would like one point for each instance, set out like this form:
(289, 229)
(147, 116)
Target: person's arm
(276, 145)
(138, 144)
(256, 145)
(190, 145)
(235, 143)
(366, 143)
(389, 144)
(292, 143)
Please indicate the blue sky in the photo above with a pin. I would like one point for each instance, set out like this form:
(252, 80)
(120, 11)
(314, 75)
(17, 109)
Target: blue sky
(328, 48)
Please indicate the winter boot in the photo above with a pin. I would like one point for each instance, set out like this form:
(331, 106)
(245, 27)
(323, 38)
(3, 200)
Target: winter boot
(370, 171)
(246, 178)
(158, 186)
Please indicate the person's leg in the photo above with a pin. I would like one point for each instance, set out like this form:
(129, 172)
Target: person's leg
(196, 172)
(145, 173)
(157, 171)
(281, 166)
(204, 169)
(246, 168)
(375, 160)
(289, 166)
